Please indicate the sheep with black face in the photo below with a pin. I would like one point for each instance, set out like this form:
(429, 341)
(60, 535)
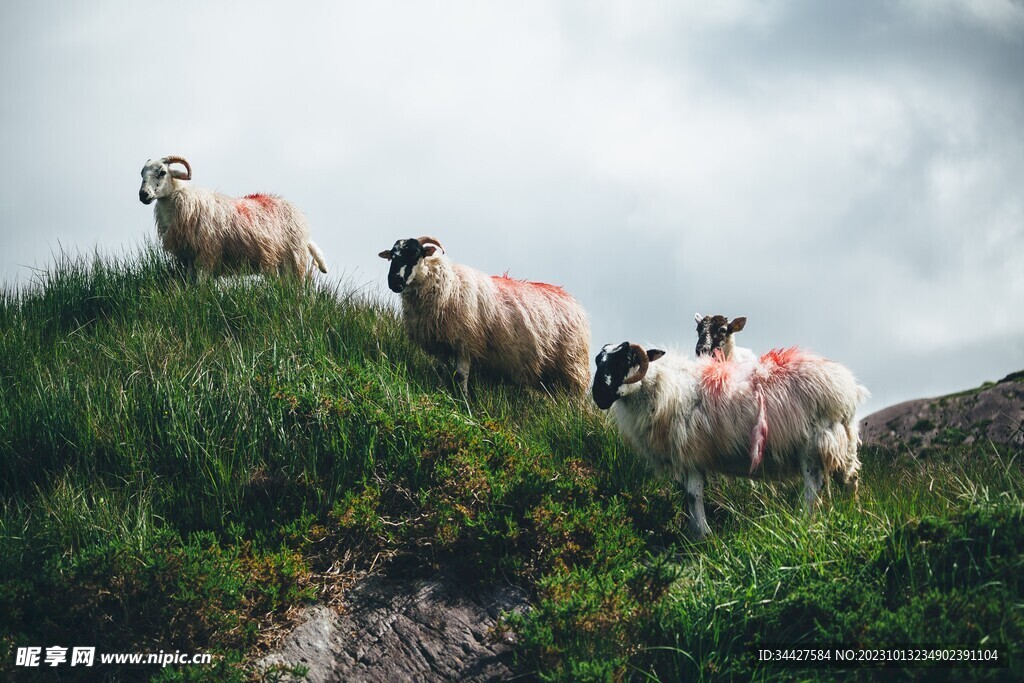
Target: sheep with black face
(689, 417)
(530, 332)
(716, 337)
(715, 333)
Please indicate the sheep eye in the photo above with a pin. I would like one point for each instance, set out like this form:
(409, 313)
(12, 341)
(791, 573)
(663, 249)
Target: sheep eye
(723, 329)
(162, 173)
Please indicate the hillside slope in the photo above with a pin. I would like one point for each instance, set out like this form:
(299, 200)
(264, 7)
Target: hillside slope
(186, 466)
(991, 413)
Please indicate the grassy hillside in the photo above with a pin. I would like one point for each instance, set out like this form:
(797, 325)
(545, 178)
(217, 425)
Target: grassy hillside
(181, 464)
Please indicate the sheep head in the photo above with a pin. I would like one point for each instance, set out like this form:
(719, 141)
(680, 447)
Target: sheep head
(714, 333)
(620, 371)
(157, 177)
(405, 259)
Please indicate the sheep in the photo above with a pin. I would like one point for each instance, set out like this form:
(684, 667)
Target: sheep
(715, 335)
(689, 417)
(220, 233)
(529, 332)
(716, 332)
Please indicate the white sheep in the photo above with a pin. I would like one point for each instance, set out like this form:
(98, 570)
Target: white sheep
(716, 335)
(217, 232)
(715, 332)
(692, 417)
(530, 332)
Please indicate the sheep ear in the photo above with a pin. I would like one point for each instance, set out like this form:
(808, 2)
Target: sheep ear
(654, 354)
(385, 254)
(429, 249)
(697, 317)
(737, 324)
(179, 174)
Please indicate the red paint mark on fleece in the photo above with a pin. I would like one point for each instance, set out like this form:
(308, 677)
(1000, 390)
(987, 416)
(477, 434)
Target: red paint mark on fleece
(511, 285)
(779, 363)
(759, 435)
(716, 375)
(245, 205)
(775, 365)
(264, 200)
(783, 357)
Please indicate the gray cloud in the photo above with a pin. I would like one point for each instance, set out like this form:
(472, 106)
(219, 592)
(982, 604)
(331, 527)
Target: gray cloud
(846, 175)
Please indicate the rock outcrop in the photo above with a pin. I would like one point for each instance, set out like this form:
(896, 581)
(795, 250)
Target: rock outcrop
(992, 413)
(425, 630)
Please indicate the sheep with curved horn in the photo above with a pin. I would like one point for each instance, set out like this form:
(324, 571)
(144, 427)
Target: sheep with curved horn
(216, 232)
(688, 417)
(530, 332)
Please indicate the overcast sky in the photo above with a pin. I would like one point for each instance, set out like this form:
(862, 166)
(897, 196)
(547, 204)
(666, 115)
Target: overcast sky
(849, 176)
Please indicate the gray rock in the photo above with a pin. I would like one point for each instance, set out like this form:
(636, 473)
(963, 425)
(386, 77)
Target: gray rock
(424, 630)
(992, 413)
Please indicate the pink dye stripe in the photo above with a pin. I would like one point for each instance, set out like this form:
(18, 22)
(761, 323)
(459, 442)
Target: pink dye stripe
(759, 436)
(511, 284)
(717, 374)
(783, 357)
(264, 200)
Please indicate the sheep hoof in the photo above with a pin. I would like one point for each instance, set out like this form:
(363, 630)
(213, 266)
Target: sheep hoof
(700, 531)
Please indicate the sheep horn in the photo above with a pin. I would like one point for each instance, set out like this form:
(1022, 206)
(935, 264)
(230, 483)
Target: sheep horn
(179, 160)
(644, 364)
(425, 240)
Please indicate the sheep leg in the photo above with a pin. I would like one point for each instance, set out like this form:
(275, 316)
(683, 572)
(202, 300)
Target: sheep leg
(814, 480)
(851, 480)
(268, 267)
(695, 501)
(848, 482)
(462, 371)
(852, 485)
(299, 259)
(206, 264)
(186, 268)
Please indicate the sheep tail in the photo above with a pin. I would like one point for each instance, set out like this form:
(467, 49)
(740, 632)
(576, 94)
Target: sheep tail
(759, 436)
(318, 256)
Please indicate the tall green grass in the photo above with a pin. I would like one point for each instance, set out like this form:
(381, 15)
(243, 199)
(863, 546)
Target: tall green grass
(183, 462)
